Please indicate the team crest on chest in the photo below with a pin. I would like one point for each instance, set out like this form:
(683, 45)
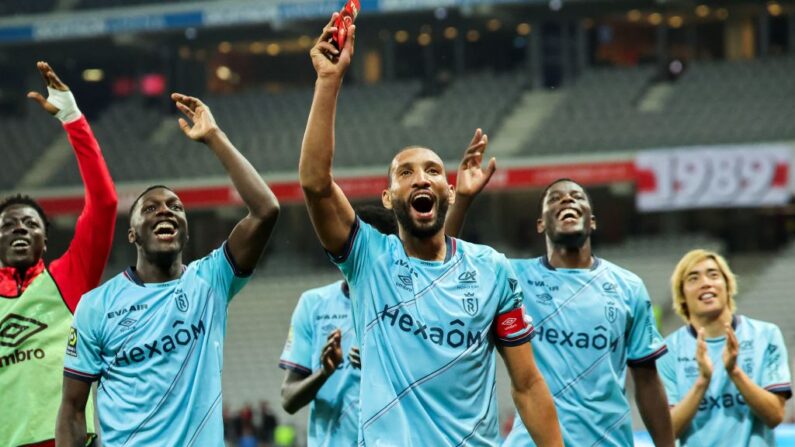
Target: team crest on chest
(181, 300)
(470, 303)
(611, 312)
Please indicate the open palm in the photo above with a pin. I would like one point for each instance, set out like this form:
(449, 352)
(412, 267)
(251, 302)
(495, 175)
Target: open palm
(472, 178)
(203, 121)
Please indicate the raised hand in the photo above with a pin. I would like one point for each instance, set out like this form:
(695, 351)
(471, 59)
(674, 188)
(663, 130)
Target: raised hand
(354, 357)
(702, 357)
(472, 178)
(730, 350)
(327, 60)
(331, 356)
(52, 81)
(204, 126)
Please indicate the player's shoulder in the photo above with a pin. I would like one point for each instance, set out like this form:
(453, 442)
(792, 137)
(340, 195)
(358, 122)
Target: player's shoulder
(758, 326)
(322, 294)
(106, 294)
(480, 252)
(621, 273)
(679, 336)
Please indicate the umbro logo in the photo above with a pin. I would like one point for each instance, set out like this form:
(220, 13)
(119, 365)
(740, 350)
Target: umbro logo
(15, 329)
(406, 280)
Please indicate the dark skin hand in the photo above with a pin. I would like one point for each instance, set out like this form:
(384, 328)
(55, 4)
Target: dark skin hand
(299, 390)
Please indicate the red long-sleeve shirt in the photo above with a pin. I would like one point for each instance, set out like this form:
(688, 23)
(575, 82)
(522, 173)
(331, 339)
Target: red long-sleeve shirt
(80, 268)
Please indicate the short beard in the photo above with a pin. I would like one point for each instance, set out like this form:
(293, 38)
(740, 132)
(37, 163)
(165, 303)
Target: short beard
(404, 220)
(571, 240)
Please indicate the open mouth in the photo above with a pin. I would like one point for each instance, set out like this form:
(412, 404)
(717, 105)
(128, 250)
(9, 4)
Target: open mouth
(422, 203)
(20, 243)
(165, 231)
(706, 297)
(568, 215)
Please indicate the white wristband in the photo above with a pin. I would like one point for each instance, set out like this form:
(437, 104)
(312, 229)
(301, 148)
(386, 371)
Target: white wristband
(66, 104)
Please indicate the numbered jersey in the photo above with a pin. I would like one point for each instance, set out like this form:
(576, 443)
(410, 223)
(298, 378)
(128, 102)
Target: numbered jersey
(427, 332)
(723, 418)
(157, 351)
(590, 324)
(334, 413)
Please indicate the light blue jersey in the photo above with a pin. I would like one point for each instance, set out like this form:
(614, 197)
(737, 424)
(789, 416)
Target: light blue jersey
(157, 352)
(723, 418)
(334, 413)
(590, 324)
(427, 334)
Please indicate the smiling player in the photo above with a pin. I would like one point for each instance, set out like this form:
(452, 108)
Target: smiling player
(592, 319)
(37, 301)
(154, 335)
(727, 376)
(428, 310)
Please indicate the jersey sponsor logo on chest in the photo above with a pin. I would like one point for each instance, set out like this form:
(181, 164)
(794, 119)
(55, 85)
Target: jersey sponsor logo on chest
(183, 335)
(600, 339)
(124, 311)
(456, 335)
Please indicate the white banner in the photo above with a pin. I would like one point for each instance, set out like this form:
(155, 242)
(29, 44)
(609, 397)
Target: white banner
(713, 177)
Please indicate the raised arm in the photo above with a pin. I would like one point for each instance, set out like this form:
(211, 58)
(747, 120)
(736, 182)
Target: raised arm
(80, 268)
(531, 395)
(471, 179)
(330, 211)
(249, 237)
(653, 403)
(299, 389)
(70, 427)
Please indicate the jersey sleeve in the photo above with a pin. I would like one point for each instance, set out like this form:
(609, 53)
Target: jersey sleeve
(512, 326)
(297, 353)
(83, 360)
(364, 243)
(224, 276)
(644, 343)
(775, 367)
(666, 368)
(80, 268)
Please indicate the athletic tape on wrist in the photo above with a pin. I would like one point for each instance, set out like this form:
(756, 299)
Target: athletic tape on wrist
(66, 104)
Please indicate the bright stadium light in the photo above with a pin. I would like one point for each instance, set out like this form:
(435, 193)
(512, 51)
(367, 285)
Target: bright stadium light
(224, 47)
(93, 75)
(450, 33)
(473, 35)
(274, 49)
(257, 47)
(675, 21)
(424, 39)
(523, 29)
(305, 41)
(655, 18)
(634, 15)
(774, 9)
(702, 11)
(223, 73)
(402, 36)
(494, 25)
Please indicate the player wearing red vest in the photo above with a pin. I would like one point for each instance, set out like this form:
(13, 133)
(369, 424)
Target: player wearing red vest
(37, 301)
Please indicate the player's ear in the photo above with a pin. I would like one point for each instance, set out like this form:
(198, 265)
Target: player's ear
(540, 227)
(131, 235)
(386, 199)
(451, 196)
(593, 222)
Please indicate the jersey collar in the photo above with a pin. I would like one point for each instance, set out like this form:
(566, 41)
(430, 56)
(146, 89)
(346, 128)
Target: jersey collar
(692, 331)
(133, 277)
(545, 262)
(13, 285)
